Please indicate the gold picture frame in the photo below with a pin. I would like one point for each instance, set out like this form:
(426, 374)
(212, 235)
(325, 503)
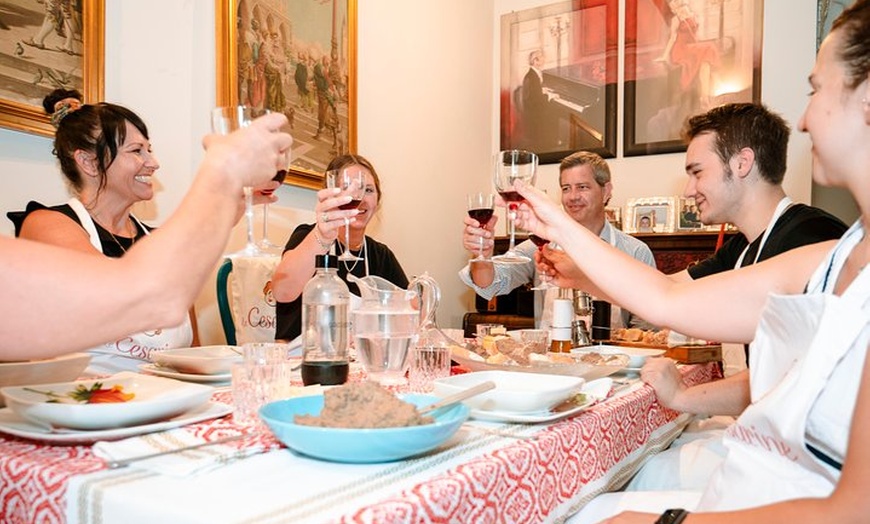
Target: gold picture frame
(69, 55)
(307, 37)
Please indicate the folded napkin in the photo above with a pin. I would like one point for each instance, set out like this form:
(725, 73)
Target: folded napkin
(180, 464)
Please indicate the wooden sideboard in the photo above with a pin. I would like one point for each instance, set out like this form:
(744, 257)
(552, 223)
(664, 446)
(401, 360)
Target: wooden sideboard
(673, 252)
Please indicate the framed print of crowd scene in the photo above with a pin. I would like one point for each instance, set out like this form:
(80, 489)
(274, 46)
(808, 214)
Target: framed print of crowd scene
(47, 45)
(558, 79)
(297, 57)
(683, 57)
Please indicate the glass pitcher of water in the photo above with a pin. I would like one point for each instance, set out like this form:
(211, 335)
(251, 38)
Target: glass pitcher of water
(387, 324)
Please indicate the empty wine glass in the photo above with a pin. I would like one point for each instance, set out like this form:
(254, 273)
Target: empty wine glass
(511, 166)
(480, 208)
(352, 181)
(225, 120)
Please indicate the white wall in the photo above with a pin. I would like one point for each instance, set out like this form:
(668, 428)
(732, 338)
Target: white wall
(427, 119)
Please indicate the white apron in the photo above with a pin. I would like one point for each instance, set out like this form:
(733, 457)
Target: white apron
(126, 353)
(806, 365)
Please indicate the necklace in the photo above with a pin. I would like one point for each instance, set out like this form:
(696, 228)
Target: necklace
(355, 262)
(118, 242)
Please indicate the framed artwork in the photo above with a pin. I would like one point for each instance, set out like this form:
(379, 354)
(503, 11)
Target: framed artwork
(297, 57)
(614, 216)
(828, 11)
(558, 79)
(650, 215)
(683, 57)
(46, 45)
(688, 217)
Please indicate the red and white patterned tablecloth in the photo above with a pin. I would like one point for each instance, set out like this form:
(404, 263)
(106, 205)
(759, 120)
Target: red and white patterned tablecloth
(478, 477)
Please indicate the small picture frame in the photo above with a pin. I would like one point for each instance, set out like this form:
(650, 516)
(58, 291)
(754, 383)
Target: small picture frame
(614, 216)
(688, 218)
(650, 215)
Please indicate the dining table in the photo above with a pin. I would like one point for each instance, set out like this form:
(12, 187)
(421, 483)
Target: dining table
(485, 473)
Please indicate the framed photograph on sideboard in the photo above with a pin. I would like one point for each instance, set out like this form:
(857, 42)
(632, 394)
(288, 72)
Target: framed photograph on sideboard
(650, 215)
(297, 57)
(683, 57)
(558, 79)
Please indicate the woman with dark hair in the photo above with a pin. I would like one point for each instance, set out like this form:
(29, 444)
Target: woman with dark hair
(327, 235)
(105, 156)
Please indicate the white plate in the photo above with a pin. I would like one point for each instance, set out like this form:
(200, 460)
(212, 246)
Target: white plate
(154, 369)
(595, 391)
(12, 424)
(577, 369)
(60, 369)
(204, 360)
(156, 399)
(636, 356)
(514, 391)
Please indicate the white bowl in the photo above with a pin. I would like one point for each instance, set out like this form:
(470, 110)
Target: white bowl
(636, 356)
(155, 399)
(514, 391)
(59, 369)
(204, 360)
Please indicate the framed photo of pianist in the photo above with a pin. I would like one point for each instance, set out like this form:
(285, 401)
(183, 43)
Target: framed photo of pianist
(683, 57)
(558, 78)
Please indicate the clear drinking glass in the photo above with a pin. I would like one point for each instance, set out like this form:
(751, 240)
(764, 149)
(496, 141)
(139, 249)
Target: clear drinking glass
(480, 207)
(225, 120)
(352, 181)
(510, 166)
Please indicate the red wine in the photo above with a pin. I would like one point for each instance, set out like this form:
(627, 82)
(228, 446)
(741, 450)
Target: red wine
(482, 215)
(353, 204)
(280, 176)
(538, 241)
(325, 372)
(511, 196)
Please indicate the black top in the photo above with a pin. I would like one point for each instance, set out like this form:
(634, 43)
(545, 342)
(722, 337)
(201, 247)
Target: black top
(381, 262)
(113, 246)
(799, 225)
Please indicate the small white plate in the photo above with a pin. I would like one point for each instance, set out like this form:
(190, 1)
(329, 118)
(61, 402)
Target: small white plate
(160, 371)
(155, 399)
(59, 369)
(203, 360)
(514, 391)
(12, 424)
(595, 391)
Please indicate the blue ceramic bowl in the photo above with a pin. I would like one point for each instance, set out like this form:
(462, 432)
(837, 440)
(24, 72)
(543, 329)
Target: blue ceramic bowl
(359, 445)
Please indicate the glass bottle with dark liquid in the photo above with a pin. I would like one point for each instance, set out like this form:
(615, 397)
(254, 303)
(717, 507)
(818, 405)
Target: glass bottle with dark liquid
(325, 327)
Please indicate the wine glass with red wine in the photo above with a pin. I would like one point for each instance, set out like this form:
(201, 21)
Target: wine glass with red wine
(480, 208)
(266, 244)
(225, 120)
(352, 181)
(510, 166)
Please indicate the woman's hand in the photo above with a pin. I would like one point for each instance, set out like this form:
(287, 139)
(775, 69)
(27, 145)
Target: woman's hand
(540, 215)
(559, 268)
(477, 237)
(631, 517)
(664, 377)
(329, 218)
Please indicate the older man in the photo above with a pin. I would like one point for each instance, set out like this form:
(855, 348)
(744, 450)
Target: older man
(586, 188)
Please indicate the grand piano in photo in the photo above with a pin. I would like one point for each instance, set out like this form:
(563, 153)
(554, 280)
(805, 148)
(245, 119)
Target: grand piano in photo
(581, 103)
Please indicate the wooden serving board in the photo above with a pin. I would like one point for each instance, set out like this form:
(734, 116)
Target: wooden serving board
(694, 354)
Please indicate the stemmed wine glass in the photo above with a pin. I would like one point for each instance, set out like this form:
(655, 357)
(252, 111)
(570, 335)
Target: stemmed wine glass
(540, 242)
(513, 165)
(225, 120)
(480, 208)
(352, 181)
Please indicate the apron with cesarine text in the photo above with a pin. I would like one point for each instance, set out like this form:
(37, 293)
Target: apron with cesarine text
(805, 373)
